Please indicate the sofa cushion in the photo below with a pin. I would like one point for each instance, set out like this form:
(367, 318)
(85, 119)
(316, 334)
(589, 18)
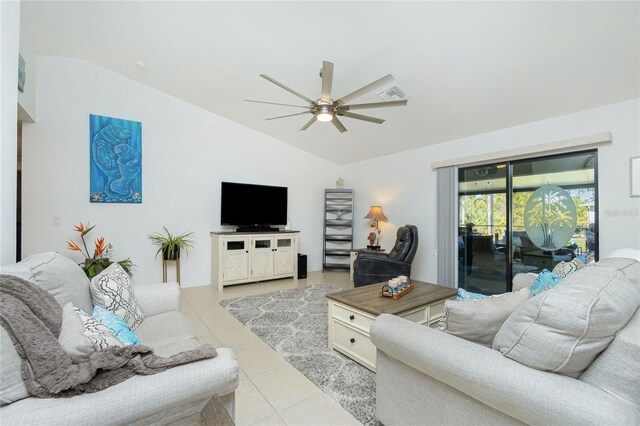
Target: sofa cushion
(564, 329)
(478, 320)
(12, 387)
(113, 290)
(81, 335)
(174, 347)
(165, 328)
(56, 274)
(617, 369)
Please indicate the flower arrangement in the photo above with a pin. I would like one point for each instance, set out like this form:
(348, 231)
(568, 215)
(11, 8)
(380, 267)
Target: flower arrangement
(100, 260)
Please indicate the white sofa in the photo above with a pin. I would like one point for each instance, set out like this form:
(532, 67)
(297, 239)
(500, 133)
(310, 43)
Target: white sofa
(162, 398)
(429, 377)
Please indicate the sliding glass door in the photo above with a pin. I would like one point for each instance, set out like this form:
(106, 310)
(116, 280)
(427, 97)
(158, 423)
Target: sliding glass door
(482, 226)
(525, 216)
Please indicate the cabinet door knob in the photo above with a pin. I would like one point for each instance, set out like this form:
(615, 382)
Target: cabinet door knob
(352, 340)
(351, 317)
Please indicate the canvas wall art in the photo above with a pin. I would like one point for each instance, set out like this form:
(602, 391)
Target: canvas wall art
(116, 160)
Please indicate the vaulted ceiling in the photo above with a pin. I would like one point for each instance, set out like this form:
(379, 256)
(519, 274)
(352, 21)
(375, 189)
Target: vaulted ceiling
(468, 67)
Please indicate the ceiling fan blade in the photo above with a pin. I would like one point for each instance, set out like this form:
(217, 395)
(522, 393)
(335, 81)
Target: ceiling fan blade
(338, 125)
(309, 123)
(373, 105)
(327, 80)
(285, 116)
(275, 103)
(362, 117)
(366, 89)
(288, 89)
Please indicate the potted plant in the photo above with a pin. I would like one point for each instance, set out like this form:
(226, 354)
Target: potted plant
(101, 258)
(170, 245)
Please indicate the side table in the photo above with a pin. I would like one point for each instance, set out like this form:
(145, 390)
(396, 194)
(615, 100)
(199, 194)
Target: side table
(354, 256)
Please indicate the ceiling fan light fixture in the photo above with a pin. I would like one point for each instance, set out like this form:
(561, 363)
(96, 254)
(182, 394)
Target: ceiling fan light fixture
(324, 113)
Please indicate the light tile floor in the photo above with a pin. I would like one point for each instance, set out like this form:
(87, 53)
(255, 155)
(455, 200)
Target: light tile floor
(271, 391)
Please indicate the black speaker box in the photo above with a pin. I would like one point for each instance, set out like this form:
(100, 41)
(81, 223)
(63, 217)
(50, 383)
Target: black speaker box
(302, 266)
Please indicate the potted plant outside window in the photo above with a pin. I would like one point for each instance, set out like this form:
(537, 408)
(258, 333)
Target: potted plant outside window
(170, 245)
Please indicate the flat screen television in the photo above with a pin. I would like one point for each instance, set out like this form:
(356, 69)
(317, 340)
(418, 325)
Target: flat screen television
(245, 205)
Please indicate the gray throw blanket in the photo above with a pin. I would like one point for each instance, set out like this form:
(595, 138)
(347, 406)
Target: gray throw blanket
(32, 317)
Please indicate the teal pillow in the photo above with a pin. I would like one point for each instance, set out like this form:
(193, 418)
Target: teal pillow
(117, 325)
(467, 295)
(544, 281)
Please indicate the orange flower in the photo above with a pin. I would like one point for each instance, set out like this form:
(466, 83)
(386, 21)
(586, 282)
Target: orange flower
(73, 246)
(83, 229)
(100, 247)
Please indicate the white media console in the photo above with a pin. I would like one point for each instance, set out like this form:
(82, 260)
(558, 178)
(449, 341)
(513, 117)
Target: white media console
(244, 257)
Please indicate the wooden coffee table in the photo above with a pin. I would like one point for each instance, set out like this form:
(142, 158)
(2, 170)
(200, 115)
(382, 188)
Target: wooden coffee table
(351, 313)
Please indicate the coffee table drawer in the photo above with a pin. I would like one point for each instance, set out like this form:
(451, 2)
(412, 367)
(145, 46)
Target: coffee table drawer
(352, 317)
(357, 345)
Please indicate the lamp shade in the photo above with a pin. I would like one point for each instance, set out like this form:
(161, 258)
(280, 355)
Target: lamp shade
(376, 213)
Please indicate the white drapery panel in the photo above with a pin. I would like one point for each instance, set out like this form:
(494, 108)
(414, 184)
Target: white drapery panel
(448, 226)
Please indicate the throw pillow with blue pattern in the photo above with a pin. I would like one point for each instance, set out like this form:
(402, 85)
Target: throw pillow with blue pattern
(117, 325)
(467, 295)
(545, 281)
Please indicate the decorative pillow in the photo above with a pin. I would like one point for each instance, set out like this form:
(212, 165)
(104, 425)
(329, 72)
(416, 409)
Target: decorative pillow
(81, 335)
(566, 328)
(478, 320)
(544, 281)
(12, 387)
(467, 295)
(112, 289)
(565, 268)
(119, 327)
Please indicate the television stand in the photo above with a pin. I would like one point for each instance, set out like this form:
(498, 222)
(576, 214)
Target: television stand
(256, 228)
(244, 257)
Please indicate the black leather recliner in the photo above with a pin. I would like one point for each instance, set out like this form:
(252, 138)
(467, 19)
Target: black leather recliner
(372, 268)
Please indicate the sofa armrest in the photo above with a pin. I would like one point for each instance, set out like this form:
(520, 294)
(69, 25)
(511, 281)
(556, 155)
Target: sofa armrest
(529, 395)
(155, 299)
(523, 280)
(176, 392)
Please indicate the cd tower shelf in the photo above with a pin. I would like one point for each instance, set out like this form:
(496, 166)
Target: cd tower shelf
(338, 229)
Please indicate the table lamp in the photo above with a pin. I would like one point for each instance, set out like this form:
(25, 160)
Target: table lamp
(375, 213)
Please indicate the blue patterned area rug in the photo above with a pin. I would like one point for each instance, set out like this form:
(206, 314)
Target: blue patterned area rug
(294, 323)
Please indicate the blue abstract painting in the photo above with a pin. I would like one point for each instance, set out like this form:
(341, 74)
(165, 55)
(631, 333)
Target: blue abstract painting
(116, 160)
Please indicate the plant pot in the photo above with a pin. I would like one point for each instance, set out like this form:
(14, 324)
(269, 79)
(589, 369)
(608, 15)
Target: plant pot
(176, 254)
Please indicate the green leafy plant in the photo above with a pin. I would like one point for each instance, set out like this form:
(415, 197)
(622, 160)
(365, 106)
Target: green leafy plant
(170, 245)
(100, 260)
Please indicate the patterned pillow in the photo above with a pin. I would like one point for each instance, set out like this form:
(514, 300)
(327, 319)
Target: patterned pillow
(119, 327)
(565, 268)
(468, 295)
(81, 335)
(112, 289)
(544, 281)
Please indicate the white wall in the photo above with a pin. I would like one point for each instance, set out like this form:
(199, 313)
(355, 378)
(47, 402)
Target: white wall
(10, 28)
(405, 185)
(187, 152)
(27, 99)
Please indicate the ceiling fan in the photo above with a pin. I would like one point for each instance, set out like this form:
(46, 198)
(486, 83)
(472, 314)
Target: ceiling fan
(327, 109)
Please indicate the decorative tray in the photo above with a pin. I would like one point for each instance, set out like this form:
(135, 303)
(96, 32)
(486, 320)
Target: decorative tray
(398, 295)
